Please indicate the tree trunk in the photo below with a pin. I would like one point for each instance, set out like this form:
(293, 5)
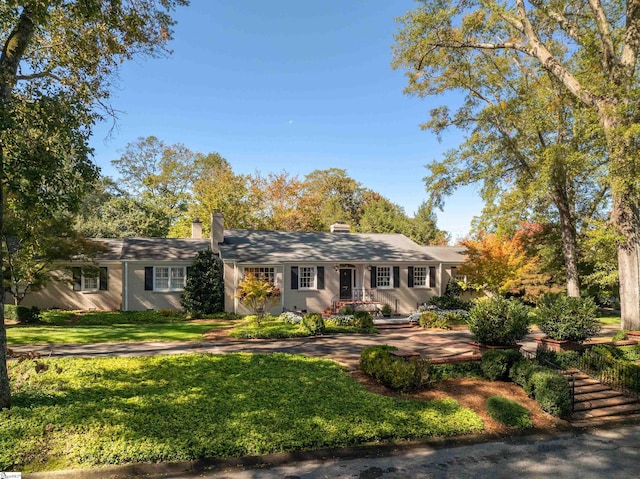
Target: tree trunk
(5, 390)
(625, 217)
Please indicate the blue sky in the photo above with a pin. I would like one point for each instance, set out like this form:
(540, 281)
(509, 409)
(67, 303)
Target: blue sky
(288, 85)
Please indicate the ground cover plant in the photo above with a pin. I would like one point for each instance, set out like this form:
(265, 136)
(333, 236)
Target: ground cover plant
(508, 412)
(86, 412)
(288, 326)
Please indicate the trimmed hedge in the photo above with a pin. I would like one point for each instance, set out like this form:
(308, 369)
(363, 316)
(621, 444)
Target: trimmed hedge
(551, 391)
(400, 374)
(22, 314)
(496, 363)
(498, 321)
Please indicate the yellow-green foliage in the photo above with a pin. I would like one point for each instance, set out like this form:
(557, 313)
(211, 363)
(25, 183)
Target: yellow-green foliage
(85, 412)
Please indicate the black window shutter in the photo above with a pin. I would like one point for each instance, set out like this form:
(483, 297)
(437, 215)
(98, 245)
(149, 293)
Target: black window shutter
(148, 278)
(77, 278)
(396, 276)
(410, 276)
(320, 277)
(374, 278)
(294, 277)
(104, 278)
(189, 270)
(432, 276)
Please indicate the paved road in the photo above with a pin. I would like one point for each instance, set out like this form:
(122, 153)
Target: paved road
(611, 454)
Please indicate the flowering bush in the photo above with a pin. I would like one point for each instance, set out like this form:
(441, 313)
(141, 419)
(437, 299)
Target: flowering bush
(290, 317)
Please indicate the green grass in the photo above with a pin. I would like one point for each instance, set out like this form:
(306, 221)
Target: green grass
(90, 412)
(17, 334)
(60, 317)
(609, 319)
(271, 327)
(508, 412)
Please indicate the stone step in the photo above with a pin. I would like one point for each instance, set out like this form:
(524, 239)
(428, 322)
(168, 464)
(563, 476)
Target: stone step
(586, 382)
(605, 403)
(590, 388)
(593, 396)
(620, 410)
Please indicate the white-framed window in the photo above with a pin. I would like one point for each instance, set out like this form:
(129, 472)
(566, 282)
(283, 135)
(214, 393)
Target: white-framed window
(307, 277)
(169, 278)
(420, 277)
(92, 280)
(90, 283)
(267, 273)
(383, 276)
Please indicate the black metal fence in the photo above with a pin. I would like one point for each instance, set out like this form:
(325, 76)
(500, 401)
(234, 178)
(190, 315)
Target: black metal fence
(619, 375)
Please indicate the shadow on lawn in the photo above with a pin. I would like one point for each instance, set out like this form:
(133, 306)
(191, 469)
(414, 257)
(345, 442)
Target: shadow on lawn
(195, 406)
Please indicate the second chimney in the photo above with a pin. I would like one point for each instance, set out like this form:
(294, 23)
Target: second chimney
(217, 231)
(196, 229)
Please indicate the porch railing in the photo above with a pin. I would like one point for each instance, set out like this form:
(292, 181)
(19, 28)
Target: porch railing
(366, 296)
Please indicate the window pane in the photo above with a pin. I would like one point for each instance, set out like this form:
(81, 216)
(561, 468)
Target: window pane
(268, 274)
(383, 274)
(161, 278)
(306, 277)
(90, 284)
(420, 276)
(177, 277)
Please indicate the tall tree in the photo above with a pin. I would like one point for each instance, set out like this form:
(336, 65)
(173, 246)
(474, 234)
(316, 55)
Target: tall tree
(424, 229)
(157, 175)
(57, 64)
(590, 48)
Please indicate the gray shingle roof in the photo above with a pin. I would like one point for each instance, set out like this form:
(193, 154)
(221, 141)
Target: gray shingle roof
(162, 248)
(244, 246)
(447, 254)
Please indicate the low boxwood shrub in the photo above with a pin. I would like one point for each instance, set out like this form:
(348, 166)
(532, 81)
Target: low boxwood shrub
(568, 319)
(521, 372)
(449, 302)
(363, 319)
(498, 321)
(22, 314)
(496, 363)
(400, 374)
(551, 391)
(508, 412)
(313, 323)
(431, 319)
(440, 372)
(558, 359)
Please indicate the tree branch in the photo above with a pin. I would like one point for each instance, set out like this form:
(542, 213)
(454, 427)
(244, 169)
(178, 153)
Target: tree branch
(567, 25)
(604, 29)
(12, 52)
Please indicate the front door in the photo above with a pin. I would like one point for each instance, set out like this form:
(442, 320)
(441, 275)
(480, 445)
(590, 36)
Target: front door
(346, 276)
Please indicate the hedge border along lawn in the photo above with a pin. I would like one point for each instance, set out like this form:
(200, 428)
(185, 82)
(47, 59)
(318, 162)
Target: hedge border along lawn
(17, 334)
(88, 412)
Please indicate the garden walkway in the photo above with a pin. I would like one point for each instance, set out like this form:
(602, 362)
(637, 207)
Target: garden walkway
(343, 348)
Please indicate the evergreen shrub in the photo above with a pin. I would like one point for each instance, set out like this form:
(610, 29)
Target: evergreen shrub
(400, 374)
(497, 363)
(313, 323)
(498, 321)
(568, 319)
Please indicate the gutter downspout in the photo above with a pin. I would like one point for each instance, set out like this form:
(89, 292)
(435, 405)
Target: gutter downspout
(125, 286)
(282, 290)
(235, 287)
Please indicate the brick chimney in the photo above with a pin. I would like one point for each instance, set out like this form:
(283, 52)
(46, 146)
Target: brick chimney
(340, 227)
(217, 231)
(196, 229)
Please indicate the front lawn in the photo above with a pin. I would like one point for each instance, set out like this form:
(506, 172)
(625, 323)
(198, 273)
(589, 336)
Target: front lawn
(88, 412)
(274, 327)
(19, 334)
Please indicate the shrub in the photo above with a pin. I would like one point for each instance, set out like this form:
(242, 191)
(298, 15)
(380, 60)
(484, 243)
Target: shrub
(440, 372)
(568, 319)
(347, 310)
(386, 310)
(204, 290)
(455, 315)
(313, 323)
(498, 321)
(22, 314)
(431, 319)
(551, 391)
(520, 373)
(449, 302)
(508, 412)
(558, 359)
(290, 317)
(496, 363)
(342, 320)
(395, 373)
(363, 319)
